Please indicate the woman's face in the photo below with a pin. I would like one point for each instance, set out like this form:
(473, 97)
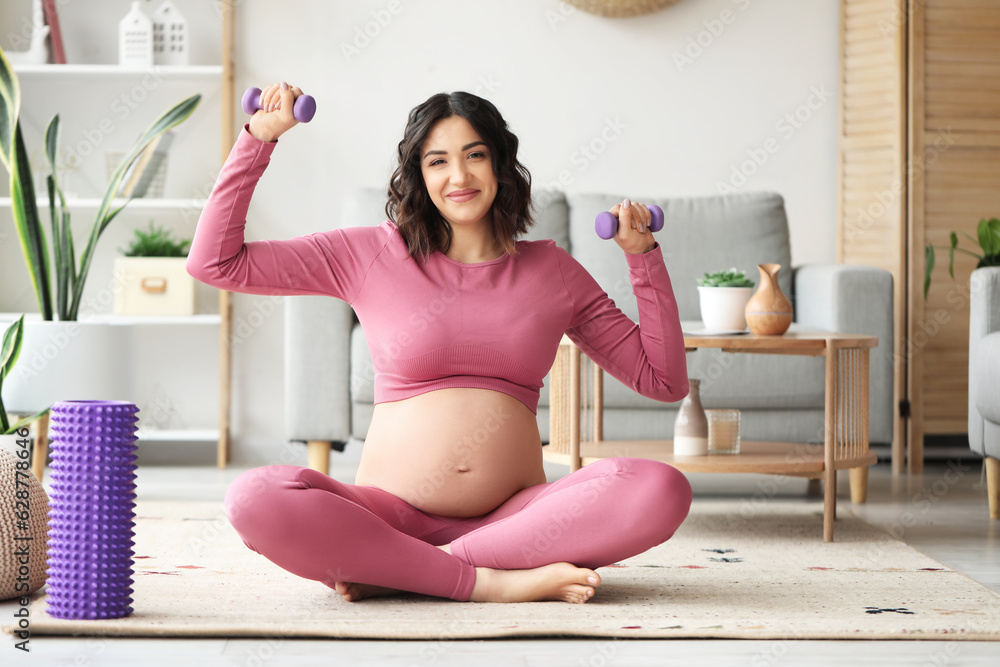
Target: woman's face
(458, 172)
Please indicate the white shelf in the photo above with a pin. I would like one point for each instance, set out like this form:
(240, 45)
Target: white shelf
(178, 435)
(207, 319)
(112, 71)
(151, 204)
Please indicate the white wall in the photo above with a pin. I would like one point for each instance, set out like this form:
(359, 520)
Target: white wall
(560, 77)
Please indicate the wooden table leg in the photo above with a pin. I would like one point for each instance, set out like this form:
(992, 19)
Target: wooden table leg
(859, 485)
(574, 410)
(830, 439)
(41, 446)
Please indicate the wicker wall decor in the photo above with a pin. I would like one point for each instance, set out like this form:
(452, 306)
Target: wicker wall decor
(16, 534)
(621, 8)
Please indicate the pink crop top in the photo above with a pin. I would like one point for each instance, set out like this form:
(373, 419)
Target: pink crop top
(438, 323)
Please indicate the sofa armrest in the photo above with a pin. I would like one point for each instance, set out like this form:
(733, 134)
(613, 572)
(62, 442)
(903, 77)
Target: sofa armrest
(984, 321)
(317, 368)
(854, 299)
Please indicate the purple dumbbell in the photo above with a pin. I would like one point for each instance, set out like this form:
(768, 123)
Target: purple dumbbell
(303, 111)
(607, 224)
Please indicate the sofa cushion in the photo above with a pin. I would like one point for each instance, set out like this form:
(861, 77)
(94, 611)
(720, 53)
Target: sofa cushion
(550, 214)
(362, 369)
(988, 378)
(744, 229)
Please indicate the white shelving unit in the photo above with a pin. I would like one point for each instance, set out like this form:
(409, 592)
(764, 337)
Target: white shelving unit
(152, 204)
(115, 71)
(65, 82)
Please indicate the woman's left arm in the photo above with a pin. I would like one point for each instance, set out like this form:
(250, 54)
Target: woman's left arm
(648, 357)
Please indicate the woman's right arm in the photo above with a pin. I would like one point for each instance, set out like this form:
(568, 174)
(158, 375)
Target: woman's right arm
(330, 263)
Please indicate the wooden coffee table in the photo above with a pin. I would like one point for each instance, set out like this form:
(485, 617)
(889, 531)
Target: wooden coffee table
(845, 444)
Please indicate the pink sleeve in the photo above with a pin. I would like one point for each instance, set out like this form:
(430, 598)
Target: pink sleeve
(649, 357)
(330, 263)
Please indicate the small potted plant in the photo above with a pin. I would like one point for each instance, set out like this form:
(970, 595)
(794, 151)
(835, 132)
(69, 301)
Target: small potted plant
(989, 243)
(723, 296)
(151, 279)
(10, 348)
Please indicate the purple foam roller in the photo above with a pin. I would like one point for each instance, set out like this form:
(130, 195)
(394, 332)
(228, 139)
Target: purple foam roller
(606, 223)
(91, 509)
(303, 110)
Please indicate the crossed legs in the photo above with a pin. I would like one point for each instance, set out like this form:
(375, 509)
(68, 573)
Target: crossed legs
(331, 532)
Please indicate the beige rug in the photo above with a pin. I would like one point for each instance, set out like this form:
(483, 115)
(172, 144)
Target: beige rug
(729, 574)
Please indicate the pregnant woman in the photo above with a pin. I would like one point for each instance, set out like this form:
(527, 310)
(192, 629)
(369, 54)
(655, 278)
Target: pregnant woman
(463, 321)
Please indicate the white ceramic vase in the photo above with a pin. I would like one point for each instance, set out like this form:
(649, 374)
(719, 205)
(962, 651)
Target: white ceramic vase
(724, 308)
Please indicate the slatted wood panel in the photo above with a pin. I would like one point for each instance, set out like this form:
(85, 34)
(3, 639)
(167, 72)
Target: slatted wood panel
(872, 148)
(955, 147)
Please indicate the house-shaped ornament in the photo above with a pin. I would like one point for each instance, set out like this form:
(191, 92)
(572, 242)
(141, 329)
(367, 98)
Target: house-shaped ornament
(135, 39)
(170, 36)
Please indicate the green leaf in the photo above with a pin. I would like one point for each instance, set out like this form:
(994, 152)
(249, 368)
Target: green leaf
(10, 105)
(9, 351)
(11, 347)
(928, 267)
(24, 422)
(30, 233)
(951, 254)
(170, 119)
(989, 236)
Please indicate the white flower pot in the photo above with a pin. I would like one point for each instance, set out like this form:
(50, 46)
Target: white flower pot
(10, 443)
(724, 308)
(153, 286)
(64, 361)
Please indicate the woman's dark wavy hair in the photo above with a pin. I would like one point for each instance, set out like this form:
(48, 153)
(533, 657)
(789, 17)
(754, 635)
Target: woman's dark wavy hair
(409, 205)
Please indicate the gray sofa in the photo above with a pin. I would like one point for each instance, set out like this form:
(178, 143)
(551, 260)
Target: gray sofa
(984, 377)
(329, 373)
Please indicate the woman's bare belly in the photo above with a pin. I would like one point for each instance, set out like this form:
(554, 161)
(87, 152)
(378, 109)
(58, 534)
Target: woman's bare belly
(453, 452)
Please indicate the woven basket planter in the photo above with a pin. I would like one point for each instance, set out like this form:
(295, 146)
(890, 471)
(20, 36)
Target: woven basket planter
(18, 579)
(621, 8)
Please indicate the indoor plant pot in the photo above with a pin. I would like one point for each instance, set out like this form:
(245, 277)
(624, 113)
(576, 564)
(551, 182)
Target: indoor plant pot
(151, 279)
(723, 297)
(66, 361)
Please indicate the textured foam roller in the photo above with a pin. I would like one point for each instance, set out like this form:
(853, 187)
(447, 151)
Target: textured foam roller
(91, 509)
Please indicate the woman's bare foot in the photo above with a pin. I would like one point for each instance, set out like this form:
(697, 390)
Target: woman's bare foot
(353, 592)
(557, 581)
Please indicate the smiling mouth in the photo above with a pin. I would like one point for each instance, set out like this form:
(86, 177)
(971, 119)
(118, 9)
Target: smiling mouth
(462, 195)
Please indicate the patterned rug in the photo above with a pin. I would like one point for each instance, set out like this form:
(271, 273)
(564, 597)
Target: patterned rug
(731, 571)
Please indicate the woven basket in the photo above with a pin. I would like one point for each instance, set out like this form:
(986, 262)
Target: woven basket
(621, 8)
(13, 535)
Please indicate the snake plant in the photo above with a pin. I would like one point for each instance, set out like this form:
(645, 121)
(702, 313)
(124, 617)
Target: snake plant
(9, 351)
(68, 277)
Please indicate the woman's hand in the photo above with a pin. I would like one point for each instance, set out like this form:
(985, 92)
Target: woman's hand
(633, 234)
(275, 117)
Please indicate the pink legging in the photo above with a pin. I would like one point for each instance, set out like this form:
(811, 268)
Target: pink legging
(329, 531)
